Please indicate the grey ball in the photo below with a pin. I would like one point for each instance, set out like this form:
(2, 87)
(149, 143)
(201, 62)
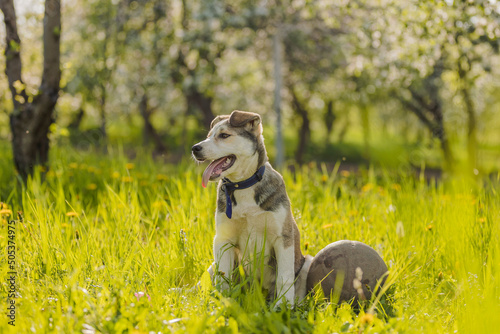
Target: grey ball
(339, 260)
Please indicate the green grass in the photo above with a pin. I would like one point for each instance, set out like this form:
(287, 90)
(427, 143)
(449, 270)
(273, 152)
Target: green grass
(100, 229)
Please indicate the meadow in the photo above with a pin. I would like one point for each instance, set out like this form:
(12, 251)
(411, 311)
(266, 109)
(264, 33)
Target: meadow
(110, 244)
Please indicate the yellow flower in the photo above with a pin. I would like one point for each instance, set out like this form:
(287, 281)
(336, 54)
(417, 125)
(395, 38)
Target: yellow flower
(367, 187)
(5, 212)
(129, 166)
(115, 175)
(73, 165)
(72, 214)
(327, 226)
(345, 173)
(143, 183)
(324, 178)
(396, 186)
(366, 318)
(127, 179)
(64, 225)
(158, 205)
(161, 177)
(92, 186)
(429, 227)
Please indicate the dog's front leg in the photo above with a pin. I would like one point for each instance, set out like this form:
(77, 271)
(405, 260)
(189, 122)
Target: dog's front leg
(224, 251)
(285, 259)
(224, 258)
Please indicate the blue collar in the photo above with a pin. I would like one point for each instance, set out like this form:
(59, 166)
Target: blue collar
(229, 187)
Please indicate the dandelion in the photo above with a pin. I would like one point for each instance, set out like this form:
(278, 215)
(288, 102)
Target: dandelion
(396, 186)
(73, 165)
(353, 212)
(366, 318)
(143, 183)
(481, 219)
(161, 177)
(5, 212)
(129, 166)
(64, 225)
(127, 179)
(158, 204)
(429, 227)
(115, 175)
(324, 178)
(367, 187)
(72, 214)
(92, 186)
(345, 173)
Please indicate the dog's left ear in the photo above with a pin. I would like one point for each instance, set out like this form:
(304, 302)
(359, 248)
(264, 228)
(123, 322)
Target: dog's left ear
(218, 119)
(244, 118)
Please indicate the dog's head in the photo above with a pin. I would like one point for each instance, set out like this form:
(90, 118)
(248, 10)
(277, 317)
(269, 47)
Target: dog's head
(234, 144)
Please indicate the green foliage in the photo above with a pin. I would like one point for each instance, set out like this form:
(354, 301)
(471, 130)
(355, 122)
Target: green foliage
(114, 245)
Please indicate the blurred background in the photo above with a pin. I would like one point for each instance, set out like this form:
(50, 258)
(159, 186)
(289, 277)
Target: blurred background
(392, 83)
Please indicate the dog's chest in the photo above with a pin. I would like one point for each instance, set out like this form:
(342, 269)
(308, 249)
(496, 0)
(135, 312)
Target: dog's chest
(242, 203)
(245, 204)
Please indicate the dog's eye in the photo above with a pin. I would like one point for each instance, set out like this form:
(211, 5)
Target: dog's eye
(224, 135)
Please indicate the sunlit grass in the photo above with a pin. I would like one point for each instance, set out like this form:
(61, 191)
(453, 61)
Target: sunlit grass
(110, 244)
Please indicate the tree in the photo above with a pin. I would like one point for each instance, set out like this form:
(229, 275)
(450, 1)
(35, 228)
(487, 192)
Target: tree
(32, 115)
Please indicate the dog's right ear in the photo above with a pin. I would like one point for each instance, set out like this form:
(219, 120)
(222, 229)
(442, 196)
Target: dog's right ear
(218, 119)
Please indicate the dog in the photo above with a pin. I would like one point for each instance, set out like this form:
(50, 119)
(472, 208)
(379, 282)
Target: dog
(253, 216)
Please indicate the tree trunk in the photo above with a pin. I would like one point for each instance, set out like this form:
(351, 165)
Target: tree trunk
(149, 132)
(278, 82)
(440, 133)
(431, 115)
(30, 121)
(102, 112)
(204, 104)
(365, 122)
(77, 120)
(471, 114)
(471, 129)
(329, 119)
(304, 131)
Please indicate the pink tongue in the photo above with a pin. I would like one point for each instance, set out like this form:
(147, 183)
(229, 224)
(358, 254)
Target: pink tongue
(209, 171)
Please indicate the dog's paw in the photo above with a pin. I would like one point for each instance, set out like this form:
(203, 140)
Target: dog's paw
(282, 304)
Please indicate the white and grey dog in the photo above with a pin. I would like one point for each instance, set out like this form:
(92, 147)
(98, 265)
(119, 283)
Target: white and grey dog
(253, 209)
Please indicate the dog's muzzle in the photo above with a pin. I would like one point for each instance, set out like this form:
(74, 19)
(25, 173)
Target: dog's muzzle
(196, 150)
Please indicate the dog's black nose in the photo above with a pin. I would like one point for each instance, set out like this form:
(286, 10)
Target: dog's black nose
(196, 148)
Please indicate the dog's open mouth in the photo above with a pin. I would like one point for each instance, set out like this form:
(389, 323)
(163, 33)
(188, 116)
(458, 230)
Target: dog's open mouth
(215, 168)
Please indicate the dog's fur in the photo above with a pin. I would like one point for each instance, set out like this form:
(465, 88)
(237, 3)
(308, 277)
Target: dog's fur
(262, 216)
